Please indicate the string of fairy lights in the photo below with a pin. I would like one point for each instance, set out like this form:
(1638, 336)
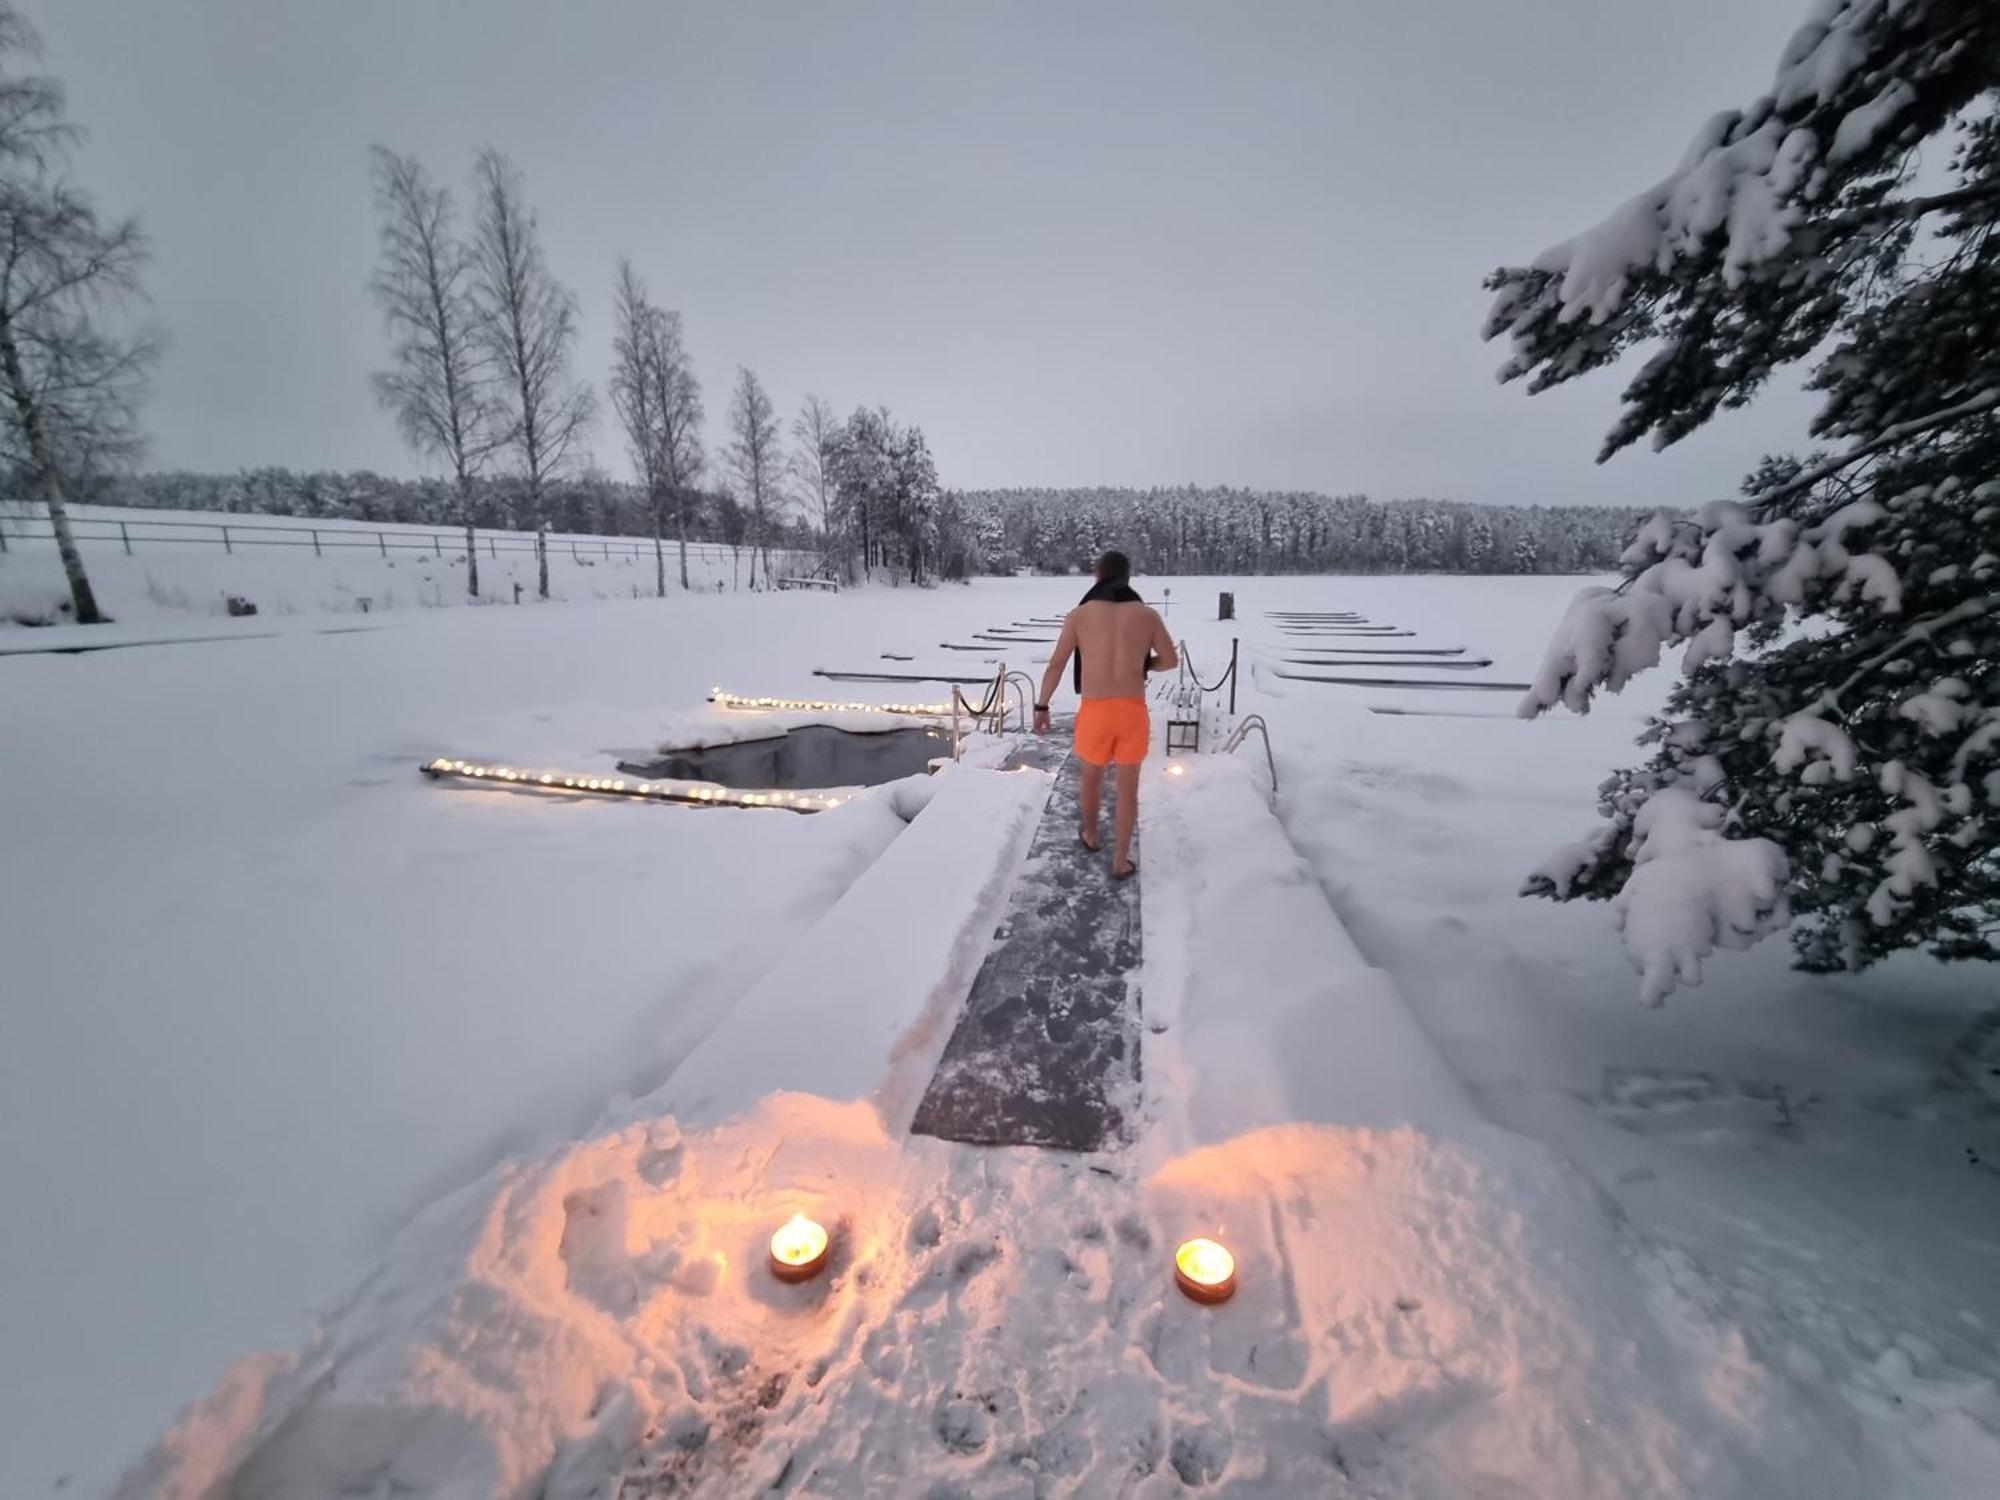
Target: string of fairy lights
(686, 793)
(689, 793)
(822, 706)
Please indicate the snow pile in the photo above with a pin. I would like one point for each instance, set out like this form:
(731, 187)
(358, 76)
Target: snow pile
(1415, 1319)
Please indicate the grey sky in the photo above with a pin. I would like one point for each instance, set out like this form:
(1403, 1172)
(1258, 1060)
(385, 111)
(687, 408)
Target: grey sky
(1077, 243)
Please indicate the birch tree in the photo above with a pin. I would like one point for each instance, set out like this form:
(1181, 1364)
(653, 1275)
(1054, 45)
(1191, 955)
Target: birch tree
(816, 436)
(72, 385)
(636, 398)
(440, 380)
(757, 461)
(527, 322)
(682, 457)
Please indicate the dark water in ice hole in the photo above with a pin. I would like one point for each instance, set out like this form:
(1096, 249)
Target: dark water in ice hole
(813, 755)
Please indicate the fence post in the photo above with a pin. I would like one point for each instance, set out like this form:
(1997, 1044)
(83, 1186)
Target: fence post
(225, 540)
(1232, 675)
(436, 545)
(607, 552)
(491, 549)
(125, 537)
(575, 556)
(316, 551)
(3, 536)
(382, 544)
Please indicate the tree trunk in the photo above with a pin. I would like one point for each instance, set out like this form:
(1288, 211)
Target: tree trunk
(82, 596)
(683, 519)
(660, 557)
(471, 546)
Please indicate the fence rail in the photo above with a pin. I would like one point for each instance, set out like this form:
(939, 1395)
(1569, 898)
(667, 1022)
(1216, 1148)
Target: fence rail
(137, 531)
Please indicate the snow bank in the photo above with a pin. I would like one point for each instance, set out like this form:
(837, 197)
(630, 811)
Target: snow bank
(870, 993)
(1270, 1013)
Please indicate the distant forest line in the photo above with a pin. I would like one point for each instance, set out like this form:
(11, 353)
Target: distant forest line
(1183, 530)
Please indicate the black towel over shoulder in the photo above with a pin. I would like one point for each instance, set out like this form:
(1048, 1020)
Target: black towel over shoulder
(1119, 592)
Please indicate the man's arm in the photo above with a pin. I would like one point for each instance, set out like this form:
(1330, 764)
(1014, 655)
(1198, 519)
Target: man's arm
(1165, 657)
(1052, 679)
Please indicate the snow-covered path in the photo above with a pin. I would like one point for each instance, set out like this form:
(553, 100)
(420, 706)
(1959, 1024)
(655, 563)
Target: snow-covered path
(1431, 1304)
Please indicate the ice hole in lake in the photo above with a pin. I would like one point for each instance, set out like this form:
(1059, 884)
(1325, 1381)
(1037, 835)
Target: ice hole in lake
(812, 755)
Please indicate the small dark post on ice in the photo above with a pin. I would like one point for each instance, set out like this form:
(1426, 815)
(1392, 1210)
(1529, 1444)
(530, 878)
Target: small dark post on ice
(1225, 608)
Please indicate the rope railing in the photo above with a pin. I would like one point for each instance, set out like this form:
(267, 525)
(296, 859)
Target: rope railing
(1191, 675)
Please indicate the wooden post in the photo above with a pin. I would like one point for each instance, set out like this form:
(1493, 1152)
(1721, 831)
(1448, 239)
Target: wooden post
(316, 551)
(382, 544)
(437, 546)
(1232, 675)
(125, 537)
(491, 549)
(225, 540)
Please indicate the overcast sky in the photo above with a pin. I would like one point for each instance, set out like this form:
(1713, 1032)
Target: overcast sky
(1077, 243)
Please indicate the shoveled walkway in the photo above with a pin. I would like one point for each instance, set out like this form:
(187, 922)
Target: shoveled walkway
(1047, 1052)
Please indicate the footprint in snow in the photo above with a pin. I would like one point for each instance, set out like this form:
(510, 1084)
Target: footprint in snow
(964, 1426)
(1200, 1454)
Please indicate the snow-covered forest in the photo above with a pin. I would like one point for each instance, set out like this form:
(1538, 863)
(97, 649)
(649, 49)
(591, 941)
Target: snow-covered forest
(1184, 530)
(1192, 530)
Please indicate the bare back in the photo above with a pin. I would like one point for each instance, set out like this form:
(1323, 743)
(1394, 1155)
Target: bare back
(1116, 640)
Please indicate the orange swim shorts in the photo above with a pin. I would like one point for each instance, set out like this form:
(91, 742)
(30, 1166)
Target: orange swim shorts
(1113, 729)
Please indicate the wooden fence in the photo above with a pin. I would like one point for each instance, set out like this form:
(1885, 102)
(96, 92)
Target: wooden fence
(138, 529)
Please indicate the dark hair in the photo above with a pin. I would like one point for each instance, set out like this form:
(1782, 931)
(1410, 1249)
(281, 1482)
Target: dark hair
(1114, 567)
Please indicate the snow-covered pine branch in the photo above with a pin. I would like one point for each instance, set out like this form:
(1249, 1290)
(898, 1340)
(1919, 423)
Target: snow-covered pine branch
(1828, 757)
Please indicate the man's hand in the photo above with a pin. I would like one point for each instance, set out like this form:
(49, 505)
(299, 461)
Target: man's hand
(1041, 720)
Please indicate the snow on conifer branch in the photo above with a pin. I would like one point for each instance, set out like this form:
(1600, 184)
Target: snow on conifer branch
(1829, 758)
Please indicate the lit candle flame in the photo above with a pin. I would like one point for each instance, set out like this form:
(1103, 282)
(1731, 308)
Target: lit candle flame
(1205, 1267)
(799, 1241)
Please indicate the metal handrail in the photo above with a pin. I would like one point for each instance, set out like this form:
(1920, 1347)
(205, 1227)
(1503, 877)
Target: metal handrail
(995, 705)
(1242, 732)
(1024, 691)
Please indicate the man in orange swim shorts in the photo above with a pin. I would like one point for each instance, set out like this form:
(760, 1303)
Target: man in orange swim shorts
(1117, 640)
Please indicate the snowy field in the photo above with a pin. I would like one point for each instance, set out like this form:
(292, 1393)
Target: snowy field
(151, 567)
(471, 1107)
